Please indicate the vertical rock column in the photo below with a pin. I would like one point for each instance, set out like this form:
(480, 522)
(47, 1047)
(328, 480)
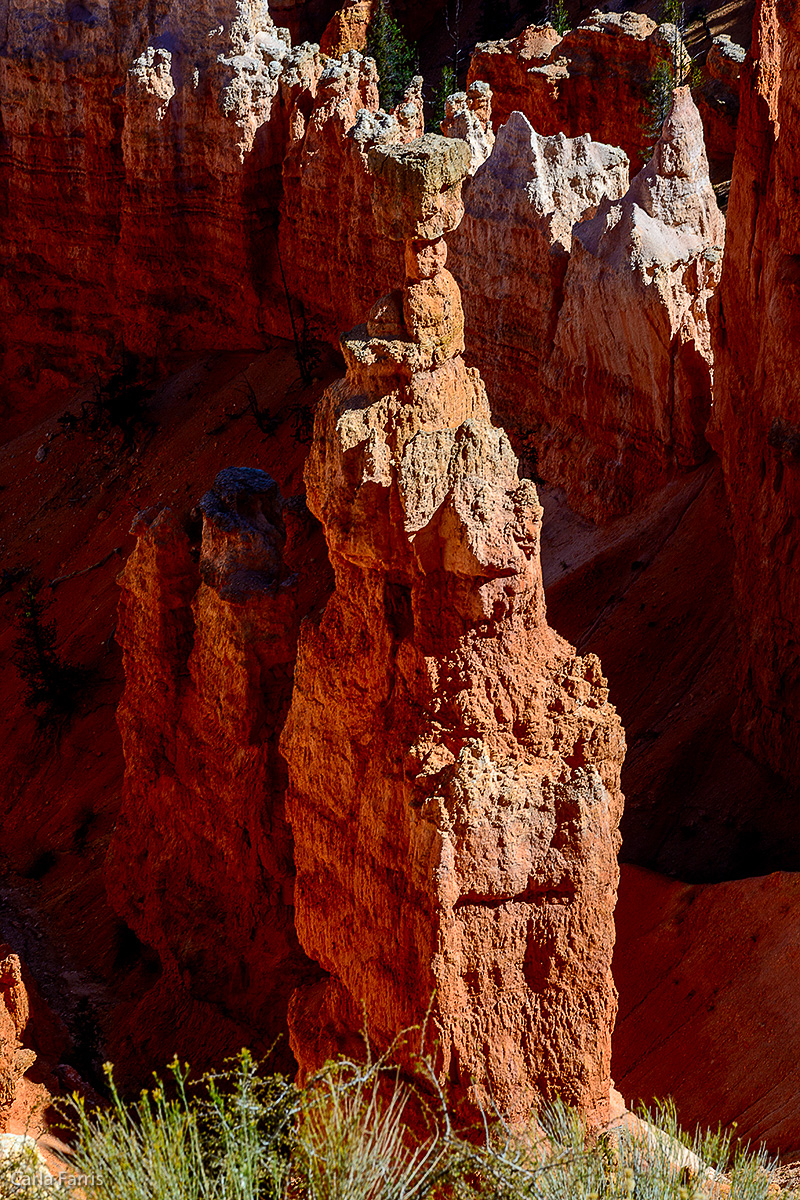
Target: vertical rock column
(453, 767)
(200, 864)
(756, 417)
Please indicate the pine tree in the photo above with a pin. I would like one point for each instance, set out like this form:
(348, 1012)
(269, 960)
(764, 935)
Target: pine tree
(394, 56)
(658, 101)
(447, 86)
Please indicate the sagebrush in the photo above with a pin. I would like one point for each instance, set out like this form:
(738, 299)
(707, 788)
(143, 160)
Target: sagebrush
(347, 1135)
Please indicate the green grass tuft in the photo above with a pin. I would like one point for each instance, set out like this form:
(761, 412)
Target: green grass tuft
(360, 1131)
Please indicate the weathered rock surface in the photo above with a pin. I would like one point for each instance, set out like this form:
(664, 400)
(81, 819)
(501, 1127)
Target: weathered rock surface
(14, 1011)
(589, 304)
(230, 159)
(756, 418)
(134, 141)
(511, 251)
(631, 371)
(347, 28)
(334, 122)
(189, 127)
(201, 860)
(453, 767)
(505, 66)
(468, 117)
(718, 101)
(595, 79)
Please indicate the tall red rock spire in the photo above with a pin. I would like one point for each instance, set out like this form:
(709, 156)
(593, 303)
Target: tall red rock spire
(453, 766)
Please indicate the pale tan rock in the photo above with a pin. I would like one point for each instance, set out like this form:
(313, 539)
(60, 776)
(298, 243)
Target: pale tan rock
(630, 376)
(409, 113)
(511, 251)
(468, 117)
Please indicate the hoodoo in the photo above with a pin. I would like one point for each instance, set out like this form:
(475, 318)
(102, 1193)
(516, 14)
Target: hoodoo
(453, 766)
(200, 863)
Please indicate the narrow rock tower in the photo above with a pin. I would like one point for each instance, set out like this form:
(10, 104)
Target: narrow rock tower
(453, 767)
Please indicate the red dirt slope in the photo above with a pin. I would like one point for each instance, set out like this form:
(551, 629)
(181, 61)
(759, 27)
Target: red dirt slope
(709, 1012)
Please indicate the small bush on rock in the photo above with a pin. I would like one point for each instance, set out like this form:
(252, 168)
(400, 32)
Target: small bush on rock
(118, 406)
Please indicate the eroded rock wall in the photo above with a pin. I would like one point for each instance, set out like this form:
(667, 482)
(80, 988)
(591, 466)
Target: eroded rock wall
(200, 864)
(149, 156)
(628, 392)
(588, 300)
(756, 419)
(453, 766)
(141, 159)
(596, 79)
(238, 158)
(335, 264)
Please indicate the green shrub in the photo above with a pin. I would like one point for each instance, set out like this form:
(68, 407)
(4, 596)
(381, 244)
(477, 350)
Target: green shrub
(558, 16)
(346, 1136)
(394, 56)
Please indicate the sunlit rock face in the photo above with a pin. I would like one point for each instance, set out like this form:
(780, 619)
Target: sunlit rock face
(15, 1059)
(587, 299)
(631, 370)
(596, 79)
(453, 766)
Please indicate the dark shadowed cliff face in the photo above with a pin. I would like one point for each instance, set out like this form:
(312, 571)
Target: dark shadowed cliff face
(756, 421)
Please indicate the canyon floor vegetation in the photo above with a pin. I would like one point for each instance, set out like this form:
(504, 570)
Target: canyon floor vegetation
(242, 1135)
